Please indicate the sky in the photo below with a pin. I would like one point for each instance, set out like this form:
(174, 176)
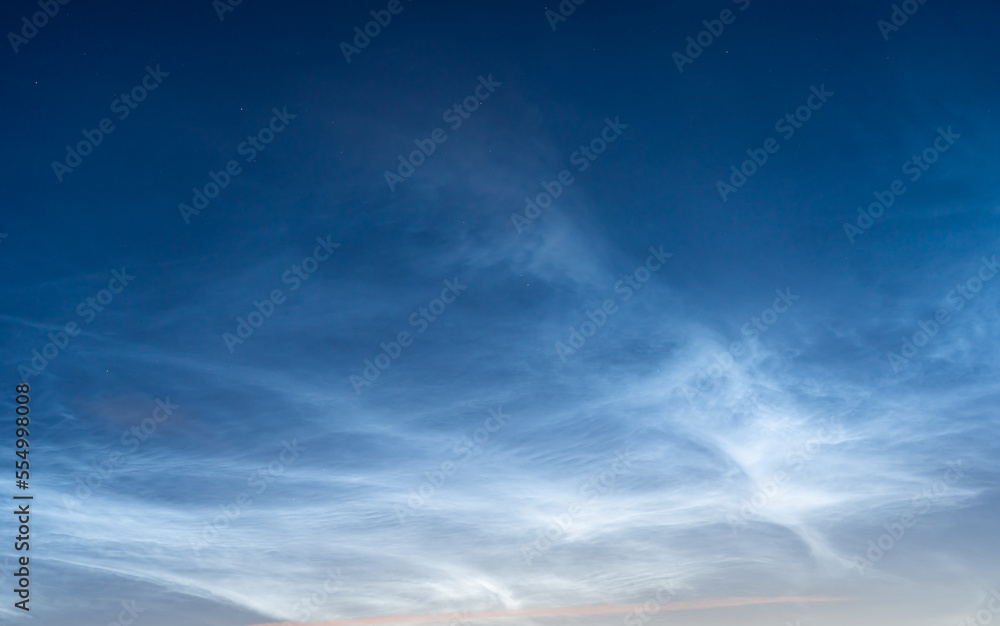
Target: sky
(396, 312)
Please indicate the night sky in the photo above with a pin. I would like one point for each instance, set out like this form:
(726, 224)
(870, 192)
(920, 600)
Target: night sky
(512, 313)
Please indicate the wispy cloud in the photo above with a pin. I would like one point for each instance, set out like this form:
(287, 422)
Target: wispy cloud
(565, 611)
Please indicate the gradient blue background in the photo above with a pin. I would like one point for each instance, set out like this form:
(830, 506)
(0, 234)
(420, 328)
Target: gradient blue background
(694, 462)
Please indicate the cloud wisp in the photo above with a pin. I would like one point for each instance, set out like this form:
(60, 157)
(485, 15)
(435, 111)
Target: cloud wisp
(563, 611)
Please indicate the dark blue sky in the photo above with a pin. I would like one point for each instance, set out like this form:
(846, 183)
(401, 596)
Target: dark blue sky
(405, 378)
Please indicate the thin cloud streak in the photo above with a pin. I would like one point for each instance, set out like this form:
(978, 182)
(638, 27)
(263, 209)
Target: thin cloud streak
(563, 611)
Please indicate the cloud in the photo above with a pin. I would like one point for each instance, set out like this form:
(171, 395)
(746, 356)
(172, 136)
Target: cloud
(564, 611)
